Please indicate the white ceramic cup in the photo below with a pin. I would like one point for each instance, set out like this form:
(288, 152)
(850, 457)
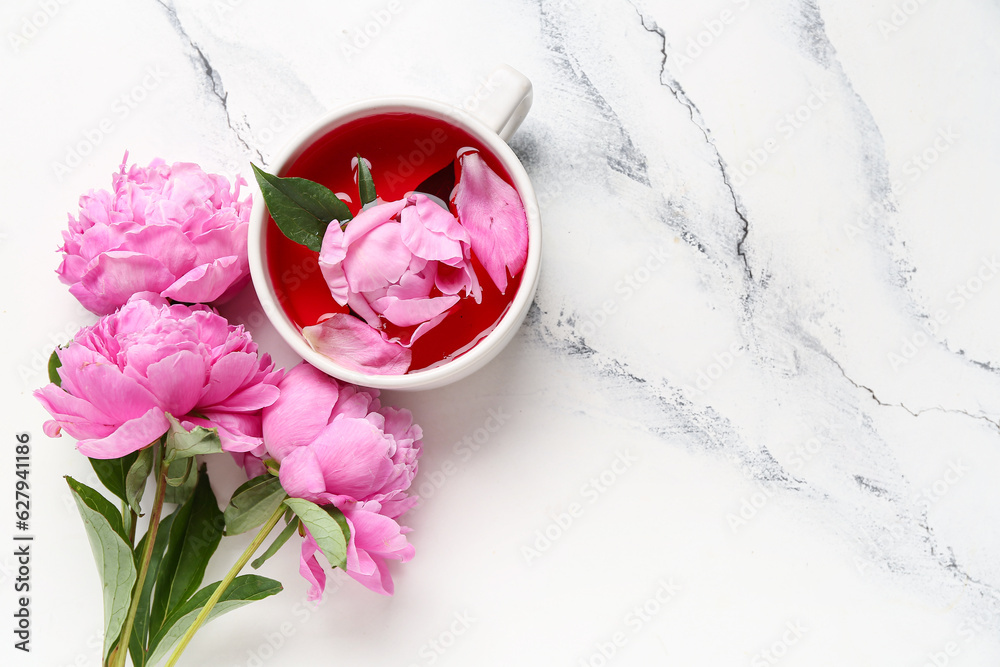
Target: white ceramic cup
(491, 115)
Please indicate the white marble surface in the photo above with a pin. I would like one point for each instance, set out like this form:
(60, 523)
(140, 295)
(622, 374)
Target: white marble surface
(760, 388)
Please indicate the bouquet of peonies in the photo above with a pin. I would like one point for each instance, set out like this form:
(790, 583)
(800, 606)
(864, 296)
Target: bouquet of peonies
(161, 379)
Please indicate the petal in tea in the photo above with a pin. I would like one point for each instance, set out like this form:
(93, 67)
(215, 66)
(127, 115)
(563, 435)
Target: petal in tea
(353, 344)
(491, 210)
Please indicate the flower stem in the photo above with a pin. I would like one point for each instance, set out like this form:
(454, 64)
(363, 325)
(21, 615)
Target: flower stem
(224, 584)
(147, 554)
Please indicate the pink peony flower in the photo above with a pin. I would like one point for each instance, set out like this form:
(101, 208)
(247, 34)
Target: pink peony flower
(493, 214)
(400, 266)
(337, 445)
(173, 230)
(121, 376)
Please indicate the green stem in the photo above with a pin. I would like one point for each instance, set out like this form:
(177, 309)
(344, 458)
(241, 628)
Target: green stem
(147, 554)
(133, 519)
(224, 584)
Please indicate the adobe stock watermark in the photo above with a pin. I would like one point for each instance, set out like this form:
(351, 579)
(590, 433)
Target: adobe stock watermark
(957, 299)
(224, 7)
(698, 44)
(634, 622)
(122, 107)
(786, 127)
(277, 124)
(368, 32)
(590, 493)
(435, 647)
(625, 288)
(800, 455)
(301, 613)
(89, 658)
(426, 147)
(913, 169)
(778, 649)
(708, 376)
(36, 367)
(901, 14)
(968, 630)
(32, 24)
(462, 452)
(924, 499)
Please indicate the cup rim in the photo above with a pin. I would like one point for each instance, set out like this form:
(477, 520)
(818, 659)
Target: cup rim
(483, 351)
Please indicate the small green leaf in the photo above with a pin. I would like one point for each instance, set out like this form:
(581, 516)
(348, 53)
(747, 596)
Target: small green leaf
(194, 537)
(135, 479)
(54, 365)
(301, 208)
(253, 503)
(182, 443)
(112, 473)
(179, 494)
(98, 503)
(241, 592)
(330, 533)
(366, 186)
(140, 627)
(114, 561)
(279, 542)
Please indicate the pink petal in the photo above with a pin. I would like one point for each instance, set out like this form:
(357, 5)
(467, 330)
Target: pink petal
(177, 381)
(307, 398)
(131, 436)
(493, 213)
(375, 538)
(79, 417)
(431, 232)
(411, 312)
(370, 219)
(353, 457)
(331, 257)
(228, 241)
(227, 375)
(205, 283)
(301, 474)
(310, 568)
(168, 244)
(115, 277)
(355, 345)
(377, 259)
(254, 397)
(114, 394)
(237, 432)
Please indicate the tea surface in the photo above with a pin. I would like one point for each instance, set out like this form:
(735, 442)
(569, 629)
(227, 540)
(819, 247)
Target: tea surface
(404, 149)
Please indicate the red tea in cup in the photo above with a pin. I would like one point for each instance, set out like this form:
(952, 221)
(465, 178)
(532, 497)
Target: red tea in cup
(407, 152)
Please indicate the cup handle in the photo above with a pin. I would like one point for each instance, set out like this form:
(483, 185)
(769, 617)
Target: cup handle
(502, 101)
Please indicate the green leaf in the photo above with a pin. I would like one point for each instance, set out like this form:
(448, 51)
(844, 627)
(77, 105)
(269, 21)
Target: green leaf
(179, 472)
(366, 186)
(54, 365)
(182, 443)
(301, 208)
(241, 592)
(279, 542)
(330, 532)
(112, 473)
(140, 627)
(180, 493)
(194, 537)
(114, 560)
(98, 503)
(253, 503)
(135, 478)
